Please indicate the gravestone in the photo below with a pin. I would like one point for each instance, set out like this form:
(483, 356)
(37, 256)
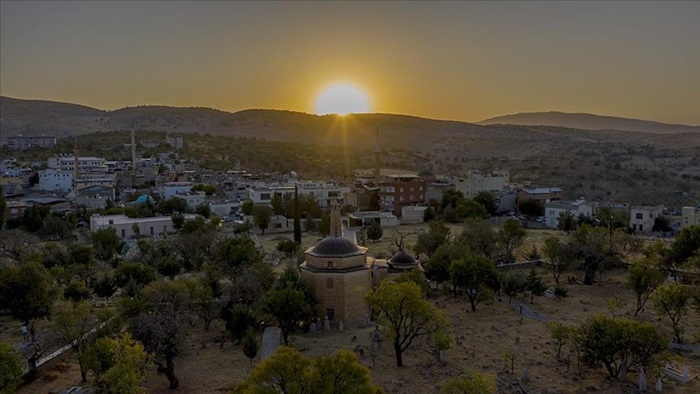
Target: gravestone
(526, 375)
(623, 371)
(341, 326)
(659, 385)
(441, 356)
(642, 380)
(686, 374)
(367, 321)
(313, 328)
(326, 324)
(270, 341)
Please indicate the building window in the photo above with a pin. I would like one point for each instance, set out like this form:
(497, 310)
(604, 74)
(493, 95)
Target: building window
(639, 216)
(123, 233)
(329, 283)
(329, 264)
(330, 313)
(110, 221)
(151, 230)
(641, 227)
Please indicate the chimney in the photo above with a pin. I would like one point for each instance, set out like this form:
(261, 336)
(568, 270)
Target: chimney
(336, 225)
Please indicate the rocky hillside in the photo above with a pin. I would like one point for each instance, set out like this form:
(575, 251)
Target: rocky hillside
(589, 122)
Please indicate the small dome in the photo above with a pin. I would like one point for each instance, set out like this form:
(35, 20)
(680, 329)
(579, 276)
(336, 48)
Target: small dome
(403, 258)
(335, 247)
(144, 198)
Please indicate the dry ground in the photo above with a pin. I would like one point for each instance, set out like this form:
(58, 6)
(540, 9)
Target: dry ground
(481, 342)
(486, 337)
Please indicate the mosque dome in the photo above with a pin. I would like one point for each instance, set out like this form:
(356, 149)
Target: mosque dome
(144, 198)
(335, 247)
(402, 258)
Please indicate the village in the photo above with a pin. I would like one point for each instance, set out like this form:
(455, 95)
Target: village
(104, 230)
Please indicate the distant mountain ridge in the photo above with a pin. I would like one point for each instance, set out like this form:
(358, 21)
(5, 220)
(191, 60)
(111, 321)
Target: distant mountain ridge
(33, 117)
(588, 122)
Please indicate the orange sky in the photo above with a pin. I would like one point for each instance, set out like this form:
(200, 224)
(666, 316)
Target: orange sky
(450, 60)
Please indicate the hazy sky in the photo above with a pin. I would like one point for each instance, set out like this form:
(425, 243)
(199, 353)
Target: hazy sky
(449, 60)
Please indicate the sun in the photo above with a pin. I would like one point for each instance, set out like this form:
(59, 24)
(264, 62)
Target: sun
(342, 99)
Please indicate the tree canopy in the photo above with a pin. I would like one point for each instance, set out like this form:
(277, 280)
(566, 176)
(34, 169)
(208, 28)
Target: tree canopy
(289, 371)
(118, 364)
(402, 307)
(28, 291)
(11, 368)
(477, 276)
(617, 342)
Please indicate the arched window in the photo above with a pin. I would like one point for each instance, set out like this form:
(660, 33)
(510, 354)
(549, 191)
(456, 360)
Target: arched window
(329, 264)
(329, 283)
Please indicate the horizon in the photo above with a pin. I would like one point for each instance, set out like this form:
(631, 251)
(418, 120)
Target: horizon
(343, 115)
(446, 61)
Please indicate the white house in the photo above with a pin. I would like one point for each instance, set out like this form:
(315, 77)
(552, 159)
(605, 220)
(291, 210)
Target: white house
(260, 195)
(223, 208)
(366, 218)
(171, 189)
(326, 194)
(552, 210)
(125, 225)
(85, 164)
(193, 198)
(642, 217)
(477, 181)
(412, 214)
(53, 180)
(690, 216)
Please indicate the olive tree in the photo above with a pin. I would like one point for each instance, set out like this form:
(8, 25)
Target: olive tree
(672, 300)
(618, 343)
(409, 316)
(643, 278)
(477, 276)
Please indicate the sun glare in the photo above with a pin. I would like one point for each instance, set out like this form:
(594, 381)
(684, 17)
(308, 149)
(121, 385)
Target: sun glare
(342, 99)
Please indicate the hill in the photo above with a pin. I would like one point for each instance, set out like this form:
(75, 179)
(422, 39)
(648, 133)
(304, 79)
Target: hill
(588, 122)
(32, 117)
(637, 167)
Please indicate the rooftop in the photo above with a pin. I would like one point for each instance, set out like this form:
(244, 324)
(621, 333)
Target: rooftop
(334, 247)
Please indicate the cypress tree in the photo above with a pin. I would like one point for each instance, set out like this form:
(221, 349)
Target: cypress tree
(297, 216)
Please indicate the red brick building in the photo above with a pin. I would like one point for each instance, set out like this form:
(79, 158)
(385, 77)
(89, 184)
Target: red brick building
(398, 191)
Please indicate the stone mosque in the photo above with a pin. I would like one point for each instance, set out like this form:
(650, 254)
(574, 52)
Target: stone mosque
(340, 273)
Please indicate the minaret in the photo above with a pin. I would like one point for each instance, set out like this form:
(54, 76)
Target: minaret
(76, 160)
(336, 229)
(133, 152)
(377, 160)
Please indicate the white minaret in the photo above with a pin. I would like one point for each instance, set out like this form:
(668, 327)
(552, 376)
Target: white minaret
(133, 152)
(76, 160)
(377, 160)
